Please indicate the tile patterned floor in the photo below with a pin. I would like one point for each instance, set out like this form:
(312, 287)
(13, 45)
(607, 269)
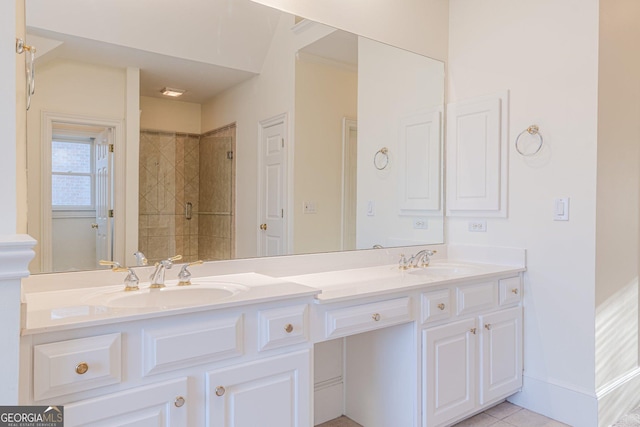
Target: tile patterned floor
(630, 420)
(503, 415)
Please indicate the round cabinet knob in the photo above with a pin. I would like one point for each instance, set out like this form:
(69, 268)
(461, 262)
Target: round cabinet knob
(515, 291)
(263, 226)
(220, 391)
(179, 401)
(82, 368)
(473, 331)
(376, 317)
(487, 326)
(441, 306)
(288, 328)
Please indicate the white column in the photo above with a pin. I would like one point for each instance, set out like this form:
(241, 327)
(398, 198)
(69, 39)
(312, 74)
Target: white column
(15, 253)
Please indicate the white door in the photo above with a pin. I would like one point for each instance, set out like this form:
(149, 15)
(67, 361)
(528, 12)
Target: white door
(272, 228)
(274, 392)
(449, 360)
(349, 182)
(103, 159)
(501, 352)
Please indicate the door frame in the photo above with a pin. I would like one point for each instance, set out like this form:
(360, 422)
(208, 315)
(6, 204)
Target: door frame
(281, 118)
(47, 121)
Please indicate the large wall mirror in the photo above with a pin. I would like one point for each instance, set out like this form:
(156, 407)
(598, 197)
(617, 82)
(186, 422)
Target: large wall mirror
(290, 137)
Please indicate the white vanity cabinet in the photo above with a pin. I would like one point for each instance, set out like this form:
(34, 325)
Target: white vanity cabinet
(246, 366)
(475, 359)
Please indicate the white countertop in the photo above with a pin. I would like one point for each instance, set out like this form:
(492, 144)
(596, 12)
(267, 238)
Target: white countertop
(82, 306)
(70, 308)
(370, 281)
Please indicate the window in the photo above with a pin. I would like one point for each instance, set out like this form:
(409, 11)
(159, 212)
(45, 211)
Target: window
(72, 174)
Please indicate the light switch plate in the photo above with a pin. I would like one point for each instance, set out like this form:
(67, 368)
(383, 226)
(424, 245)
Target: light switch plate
(561, 209)
(478, 226)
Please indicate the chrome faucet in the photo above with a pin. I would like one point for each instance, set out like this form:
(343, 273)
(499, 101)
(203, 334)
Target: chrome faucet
(140, 258)
(157, 277)
(421, 259)
(184, 277)
(131, 281)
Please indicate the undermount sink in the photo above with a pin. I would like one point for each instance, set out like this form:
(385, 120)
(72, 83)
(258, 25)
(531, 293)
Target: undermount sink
(199, 293)
(444, 270)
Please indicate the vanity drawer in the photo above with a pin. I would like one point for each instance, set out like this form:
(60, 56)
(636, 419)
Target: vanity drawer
(476, 297)
(510, 290)
(436, 305)
(367, 317)
(66, 367)
(191, 343)
(283, 326)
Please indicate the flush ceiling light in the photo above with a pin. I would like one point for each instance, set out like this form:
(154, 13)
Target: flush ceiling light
(168, 91)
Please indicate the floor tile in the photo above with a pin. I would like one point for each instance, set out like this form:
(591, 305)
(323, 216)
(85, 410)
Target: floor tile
(480, 420)
(340, 422)
(503, 410)
(526, 418)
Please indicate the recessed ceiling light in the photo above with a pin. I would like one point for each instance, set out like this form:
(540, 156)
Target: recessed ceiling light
(168, 91)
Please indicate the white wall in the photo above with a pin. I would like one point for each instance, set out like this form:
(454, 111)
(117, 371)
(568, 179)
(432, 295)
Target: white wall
(71, 88)
(170, 115)
(392, 86)
(325, 94)
(417, 25)
(262, 97)
(9, 92)
(546, 53)
(618, 209)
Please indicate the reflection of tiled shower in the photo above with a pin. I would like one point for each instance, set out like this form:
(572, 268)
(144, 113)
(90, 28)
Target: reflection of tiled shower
(186, 195)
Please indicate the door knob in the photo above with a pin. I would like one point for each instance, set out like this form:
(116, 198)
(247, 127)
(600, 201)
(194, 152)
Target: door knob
(94, 225)
(263, 226)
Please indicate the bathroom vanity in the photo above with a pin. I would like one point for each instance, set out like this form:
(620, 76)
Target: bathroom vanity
(423, 347)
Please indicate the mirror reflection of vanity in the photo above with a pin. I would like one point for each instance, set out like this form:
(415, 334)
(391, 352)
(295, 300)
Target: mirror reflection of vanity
(361, 122)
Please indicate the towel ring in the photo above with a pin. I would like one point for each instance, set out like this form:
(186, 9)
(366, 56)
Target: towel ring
(534, 131)
(381, 158)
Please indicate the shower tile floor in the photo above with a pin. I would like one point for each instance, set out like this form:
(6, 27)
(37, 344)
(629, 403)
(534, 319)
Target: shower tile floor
(503, 415)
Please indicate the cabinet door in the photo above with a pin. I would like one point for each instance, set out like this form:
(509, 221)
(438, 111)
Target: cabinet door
(158, 405)
(449, 371)
(501, 354)
(274, 392)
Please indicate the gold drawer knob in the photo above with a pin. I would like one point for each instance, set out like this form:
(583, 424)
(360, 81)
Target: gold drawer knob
(179, 401)
(376, 317)
(487, 326)
(515, 291)
(220, 391)
(82, 368)
(473, 331)
(441, 306)
(288, 328)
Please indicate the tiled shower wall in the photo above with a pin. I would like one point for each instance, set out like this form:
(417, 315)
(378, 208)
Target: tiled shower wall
(176, 169)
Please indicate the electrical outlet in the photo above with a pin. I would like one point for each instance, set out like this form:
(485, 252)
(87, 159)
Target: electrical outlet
(309, 207)
(420, 223)
(478, 226)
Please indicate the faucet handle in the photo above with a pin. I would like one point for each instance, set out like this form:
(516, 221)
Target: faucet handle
(140, 258)
(403, 264)
(175, 258)
(184, 276)
(115, 266)
(131, 281)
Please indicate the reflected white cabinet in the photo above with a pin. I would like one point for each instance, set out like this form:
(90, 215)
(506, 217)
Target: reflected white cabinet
(273, 392)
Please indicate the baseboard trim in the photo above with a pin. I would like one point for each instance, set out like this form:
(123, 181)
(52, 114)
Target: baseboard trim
(619, 397)
(568, 405)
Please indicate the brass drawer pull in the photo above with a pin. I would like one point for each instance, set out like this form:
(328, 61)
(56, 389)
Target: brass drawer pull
(179, 401)
(473, 331)
(376, 317)
(220, 391)
(288, 328)
(515, 291)
(487, 326)
(82, 368)
(441, 306)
